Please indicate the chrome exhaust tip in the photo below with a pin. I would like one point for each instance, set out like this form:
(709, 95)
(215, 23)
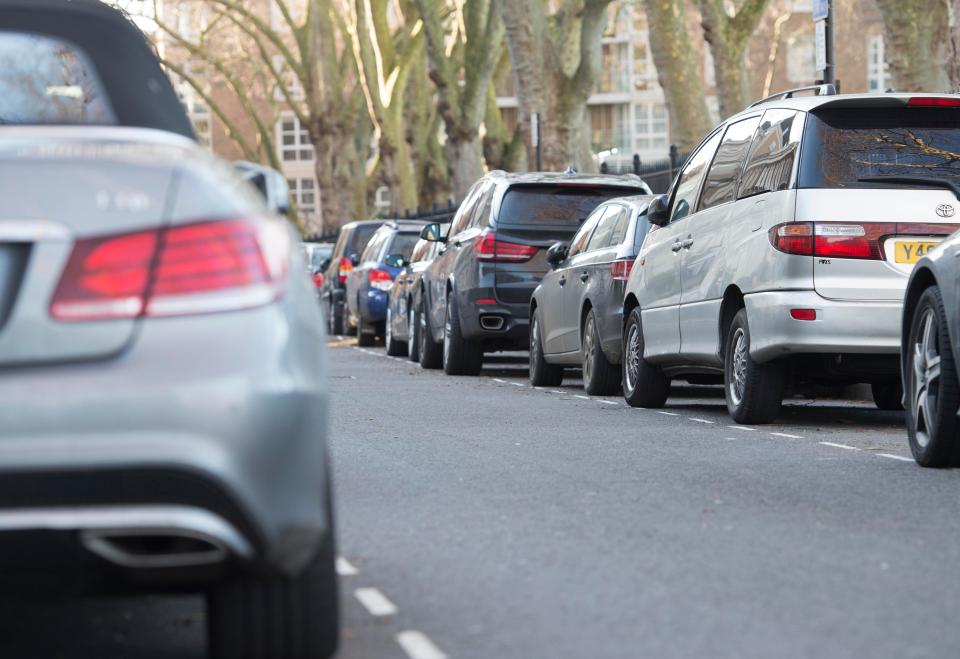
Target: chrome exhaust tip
(146, 549)
(491, 322)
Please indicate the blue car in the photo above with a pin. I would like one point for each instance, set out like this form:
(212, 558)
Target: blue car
(368, 284)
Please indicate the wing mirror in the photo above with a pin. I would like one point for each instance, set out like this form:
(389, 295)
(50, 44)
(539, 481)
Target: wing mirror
(556, 254)
(395, 261)
(658, 212)
(270, 183)
(433, 233)
(355, 260)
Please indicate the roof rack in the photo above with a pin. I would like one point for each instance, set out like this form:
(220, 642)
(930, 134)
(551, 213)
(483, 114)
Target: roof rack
(819, 90)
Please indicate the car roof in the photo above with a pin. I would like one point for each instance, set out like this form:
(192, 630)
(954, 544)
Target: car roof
(812, 102)
(559, 178)
(633, 200)
(358, 223)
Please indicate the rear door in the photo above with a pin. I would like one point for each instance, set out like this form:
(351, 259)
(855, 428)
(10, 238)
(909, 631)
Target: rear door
(872, 183)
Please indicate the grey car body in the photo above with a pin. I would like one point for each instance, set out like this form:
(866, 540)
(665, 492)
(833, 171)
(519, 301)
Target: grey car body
(163, 399)
(584, 281)
(404, 294)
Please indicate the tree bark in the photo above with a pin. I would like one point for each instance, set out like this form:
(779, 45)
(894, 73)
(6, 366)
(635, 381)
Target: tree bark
(953, 52)
(916, 43)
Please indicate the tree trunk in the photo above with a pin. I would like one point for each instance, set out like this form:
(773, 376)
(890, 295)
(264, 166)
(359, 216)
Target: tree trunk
(464, 163)
(727, 37)
(953, 52)
(916, 43)
(678, 72)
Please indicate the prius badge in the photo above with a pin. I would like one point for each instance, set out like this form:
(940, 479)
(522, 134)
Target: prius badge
(945, 210)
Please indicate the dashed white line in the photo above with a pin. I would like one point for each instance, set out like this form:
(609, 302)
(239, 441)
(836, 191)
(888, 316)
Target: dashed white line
(518, 384)
(787, 435)
(375, 602)
(499, 380)
(693, 418)
(731, 439)
(666, 413)
(344, 568)
(743, 428)
(557, 391)
(895, 457)
(581, 397)
(608, 402)
(418, 646)
(843, 446)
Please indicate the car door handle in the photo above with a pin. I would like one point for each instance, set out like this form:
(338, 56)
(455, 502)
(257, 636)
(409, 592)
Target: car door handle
(687, 244)
(677, 246)
(563, 280)
(584, 277)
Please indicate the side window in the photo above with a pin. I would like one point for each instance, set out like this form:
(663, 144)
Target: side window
(481, 216)
(579, 241)
(721, 184)
(770, 165)
(465, 214)
(608, 228)
(372, 250)
(643, 227)
(690, 177)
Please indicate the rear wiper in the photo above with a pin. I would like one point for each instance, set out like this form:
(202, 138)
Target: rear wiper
(915, 180)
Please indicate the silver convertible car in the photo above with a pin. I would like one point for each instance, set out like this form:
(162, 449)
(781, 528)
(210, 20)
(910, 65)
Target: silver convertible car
(162, 390)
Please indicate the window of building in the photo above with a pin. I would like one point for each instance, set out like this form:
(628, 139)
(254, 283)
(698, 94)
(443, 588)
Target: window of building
(878, 70)
(615, 74)
(644, 72)
(651, 128)
(290, 81)
(801, 59)
(709, 72)
(191, 19)
(303, 190)
(293, 141)
(197, 110)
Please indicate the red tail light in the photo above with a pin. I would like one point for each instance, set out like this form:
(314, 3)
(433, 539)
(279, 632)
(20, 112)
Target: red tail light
(933, 102)
(346, 265)
(318, 279)
(380, 279)
(489, 248)
(198, 268)
(842, 240)
(620, 269)
(793, 238)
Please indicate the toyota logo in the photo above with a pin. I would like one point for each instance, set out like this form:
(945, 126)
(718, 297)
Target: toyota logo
(945, 210)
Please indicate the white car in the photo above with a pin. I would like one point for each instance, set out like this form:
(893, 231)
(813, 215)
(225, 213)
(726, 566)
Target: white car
(781, 254)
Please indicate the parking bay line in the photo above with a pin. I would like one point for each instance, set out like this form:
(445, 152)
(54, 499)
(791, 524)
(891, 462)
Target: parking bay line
(344, 568)
(693, 418)
(608, 402)
(375, 602)
(666, 413)
(418, 646)
(581, 397)
(895, 457)
(787, 435)
(743, 428)
(843, 446)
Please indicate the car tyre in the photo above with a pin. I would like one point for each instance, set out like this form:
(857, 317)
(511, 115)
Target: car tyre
(644, 384)
(754, 391)
(334, 320)
(366, 337)
(600, 377)
(887, 395)
(460, 356)
(431, 352)
(542, 373)
(394, 347)
(413, 333)
(932, 389)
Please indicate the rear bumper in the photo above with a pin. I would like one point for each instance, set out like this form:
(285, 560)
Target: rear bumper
(499, 326)
(374, 307)
(842, 326)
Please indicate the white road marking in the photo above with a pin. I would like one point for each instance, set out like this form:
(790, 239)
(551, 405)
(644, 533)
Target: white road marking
(581, 397)
(731, 439)
(499, 380)
(518, 384)
(375, 602)
(418, 646)
(693, 418)
(344, 568)
(557, 391)
(667, 413)
(608, 402)
(895, 457)
(787, 435)
(843, 446)
(744, 428)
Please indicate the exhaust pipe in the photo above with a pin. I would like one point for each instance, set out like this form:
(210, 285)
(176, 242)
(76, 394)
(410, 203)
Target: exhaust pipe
(154, 549)
(491, 322)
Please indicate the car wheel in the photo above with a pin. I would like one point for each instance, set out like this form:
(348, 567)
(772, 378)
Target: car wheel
(887, 395)
(542, 373)
(754, 391)
(933, 393)
(644, 385)
(600, 377)
(460, 356)
(334, 320)
(431, 353)
(394, 347)
(366, 336)
(413, 334)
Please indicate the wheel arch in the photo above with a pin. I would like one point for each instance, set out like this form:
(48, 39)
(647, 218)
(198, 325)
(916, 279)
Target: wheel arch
(732, 303)
(922, 279)
(585, 306)
(629, 304)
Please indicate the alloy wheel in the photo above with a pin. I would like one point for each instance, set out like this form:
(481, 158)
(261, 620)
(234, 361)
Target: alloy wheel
(925, 376)
(589, 341)
(387, 329)
(738, 379)
(632, 371)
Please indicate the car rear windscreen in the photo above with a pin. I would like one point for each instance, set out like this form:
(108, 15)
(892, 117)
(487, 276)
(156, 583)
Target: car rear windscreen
(843, 146)
(403, 244)
(362, 234)
(44, 80)
(564, 205)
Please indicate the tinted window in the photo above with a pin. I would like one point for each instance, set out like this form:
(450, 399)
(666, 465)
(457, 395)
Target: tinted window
(643, 226)
(610, 230)
(721, 183)
(48, 81)
(421, 251)
(481, 216)
(579, 242)
(462, 219)
(842, 146)
(372, 251)
(403, 243)
(689, 184)
(554, 205)
(770, 166)
(361, 236)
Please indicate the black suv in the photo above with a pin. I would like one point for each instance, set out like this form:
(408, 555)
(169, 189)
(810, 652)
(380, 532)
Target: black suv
(476, 292)
(346, 254)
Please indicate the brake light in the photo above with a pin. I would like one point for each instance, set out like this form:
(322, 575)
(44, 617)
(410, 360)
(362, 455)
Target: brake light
(933, 102)
(793, 238)
(803, 314)
(842, 240)
(318, 279)
(621, 268)
(346, 265)
(197, 268)
(380, 280)
(489, 248)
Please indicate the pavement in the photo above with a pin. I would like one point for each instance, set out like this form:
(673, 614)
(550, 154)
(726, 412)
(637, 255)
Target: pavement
(483, 518)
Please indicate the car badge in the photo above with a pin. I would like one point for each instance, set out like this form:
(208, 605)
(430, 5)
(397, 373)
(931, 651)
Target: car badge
(945, 210)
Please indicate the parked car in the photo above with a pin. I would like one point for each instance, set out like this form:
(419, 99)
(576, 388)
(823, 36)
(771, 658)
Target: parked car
(576, 313)
(350, 244)
(369, 283)
(480, 283)
(163, 390)
(317, 256)
(781, 255)
(400, 323)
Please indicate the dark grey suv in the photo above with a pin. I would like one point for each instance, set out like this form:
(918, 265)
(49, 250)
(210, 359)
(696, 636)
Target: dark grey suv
(476, 292)
(351, 242)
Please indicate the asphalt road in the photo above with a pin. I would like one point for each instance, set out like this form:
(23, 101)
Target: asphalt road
(479, 517)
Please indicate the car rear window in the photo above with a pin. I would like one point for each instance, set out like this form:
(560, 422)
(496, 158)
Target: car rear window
(403, 244)
(361, 236)
(563, 205)
(55, 84)
(843, 146)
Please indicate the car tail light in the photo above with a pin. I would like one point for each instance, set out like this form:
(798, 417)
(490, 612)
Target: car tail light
(489, 248)
(933, 102)
(318, 279)
(803, 314)
(842, 240)
(486, 300)
(620, 269)
(197, 268)
(380, 280)
(346, 265)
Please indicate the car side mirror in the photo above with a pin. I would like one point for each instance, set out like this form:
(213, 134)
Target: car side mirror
(271, 184)
(395, 261)
(556, 254)
(324, 265)
(355, 260)
(658, 212)
(433, 233)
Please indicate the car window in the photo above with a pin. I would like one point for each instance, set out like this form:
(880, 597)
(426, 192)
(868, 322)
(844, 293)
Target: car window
(372, 251)
(580, 239)
(612, 224)
(403, 244)
(462, 219)
(643, 227)
(361, 236)
(420, 251)
(481, 216)
(688, 185)
(720, 185)
(770, 165)
(555, 205)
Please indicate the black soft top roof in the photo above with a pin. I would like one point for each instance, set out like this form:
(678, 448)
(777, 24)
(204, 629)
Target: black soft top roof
(139, 91)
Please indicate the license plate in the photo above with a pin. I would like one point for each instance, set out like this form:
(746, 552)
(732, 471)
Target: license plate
(911, 251)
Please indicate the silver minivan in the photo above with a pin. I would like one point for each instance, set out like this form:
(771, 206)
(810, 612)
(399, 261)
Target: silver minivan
(780, 256)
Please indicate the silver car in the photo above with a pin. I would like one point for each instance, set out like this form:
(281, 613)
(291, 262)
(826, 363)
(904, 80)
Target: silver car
(163, 402)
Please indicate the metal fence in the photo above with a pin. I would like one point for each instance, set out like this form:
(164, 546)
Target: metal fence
(658, 174)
